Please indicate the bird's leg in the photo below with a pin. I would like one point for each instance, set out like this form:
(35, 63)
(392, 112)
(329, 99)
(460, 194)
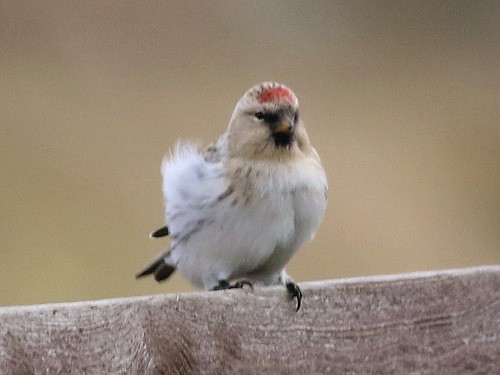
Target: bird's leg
(292, 288)
(295, 292)
(223, 284)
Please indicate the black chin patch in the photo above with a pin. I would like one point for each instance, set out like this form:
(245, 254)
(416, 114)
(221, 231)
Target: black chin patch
(283, 139)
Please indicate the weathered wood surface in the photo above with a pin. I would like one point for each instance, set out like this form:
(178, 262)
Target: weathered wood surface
(444, 322)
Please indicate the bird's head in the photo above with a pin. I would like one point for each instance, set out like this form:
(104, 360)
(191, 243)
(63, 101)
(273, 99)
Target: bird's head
(266, 124)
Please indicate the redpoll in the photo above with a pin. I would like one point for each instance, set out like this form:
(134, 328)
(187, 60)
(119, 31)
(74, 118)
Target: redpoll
(240, 209)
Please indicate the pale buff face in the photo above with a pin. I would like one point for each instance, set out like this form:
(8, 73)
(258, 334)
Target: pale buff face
(266, 125)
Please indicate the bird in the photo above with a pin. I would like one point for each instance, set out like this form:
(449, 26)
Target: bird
(240, 208)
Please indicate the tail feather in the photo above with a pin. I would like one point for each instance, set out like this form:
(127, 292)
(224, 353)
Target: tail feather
(163, 272)
(159, 267)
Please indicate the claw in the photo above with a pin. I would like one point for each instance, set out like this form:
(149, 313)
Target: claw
(241, 284)
(295, 292)
(223, 284)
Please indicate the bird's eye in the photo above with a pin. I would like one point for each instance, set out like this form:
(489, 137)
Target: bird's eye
(296, 117)
(259, 115)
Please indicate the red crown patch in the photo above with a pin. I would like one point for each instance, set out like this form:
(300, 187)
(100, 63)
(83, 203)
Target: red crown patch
(273, 94)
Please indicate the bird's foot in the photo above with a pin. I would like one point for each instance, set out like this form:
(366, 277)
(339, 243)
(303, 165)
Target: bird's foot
(223, 284)
(295, 292)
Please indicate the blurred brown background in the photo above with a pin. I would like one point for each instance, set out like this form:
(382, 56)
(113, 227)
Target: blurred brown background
(401, 99)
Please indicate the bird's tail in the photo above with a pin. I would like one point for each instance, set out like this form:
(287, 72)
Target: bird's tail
(159, 267)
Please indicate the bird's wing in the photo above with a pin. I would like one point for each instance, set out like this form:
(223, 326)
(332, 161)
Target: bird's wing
(161, 232)
(191, 186)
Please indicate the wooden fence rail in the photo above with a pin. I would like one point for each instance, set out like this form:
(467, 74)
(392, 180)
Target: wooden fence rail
(443, 322)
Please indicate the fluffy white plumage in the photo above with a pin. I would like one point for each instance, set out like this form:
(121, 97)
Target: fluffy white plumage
(240, 209)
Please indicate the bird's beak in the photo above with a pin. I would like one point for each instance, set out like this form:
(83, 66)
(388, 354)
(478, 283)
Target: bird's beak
(285, 126)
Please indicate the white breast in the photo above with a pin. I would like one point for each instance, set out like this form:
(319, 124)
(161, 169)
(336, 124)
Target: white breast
(216, 238)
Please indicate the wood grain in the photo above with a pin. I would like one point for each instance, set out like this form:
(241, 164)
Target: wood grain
(444, 322)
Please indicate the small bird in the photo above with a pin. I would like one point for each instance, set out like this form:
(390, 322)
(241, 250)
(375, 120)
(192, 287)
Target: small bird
(238, 210)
